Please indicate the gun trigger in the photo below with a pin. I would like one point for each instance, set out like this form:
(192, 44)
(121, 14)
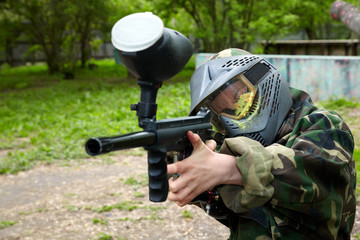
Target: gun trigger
(208, 206)
(175, 159)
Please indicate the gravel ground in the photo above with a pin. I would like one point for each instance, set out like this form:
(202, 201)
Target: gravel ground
(97, 199)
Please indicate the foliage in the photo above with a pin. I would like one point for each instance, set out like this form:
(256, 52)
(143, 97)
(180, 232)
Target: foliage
(216, 25)
(219, 24)
(314, 19)
(68, 30)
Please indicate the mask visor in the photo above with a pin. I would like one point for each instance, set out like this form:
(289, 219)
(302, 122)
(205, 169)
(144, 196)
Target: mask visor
(233, 99)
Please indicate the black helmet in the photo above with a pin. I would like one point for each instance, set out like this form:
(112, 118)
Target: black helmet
(246, 95)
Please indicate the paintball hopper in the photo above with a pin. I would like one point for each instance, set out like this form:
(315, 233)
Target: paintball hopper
(148, 49)
(347, 14)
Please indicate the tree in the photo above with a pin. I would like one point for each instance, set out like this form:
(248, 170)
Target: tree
(45, 23)
(86, 18)
(218, 24)
(313, 18)
(224, 23)
(66, 30)
(62, 29)
(10, 29)
(212, 20)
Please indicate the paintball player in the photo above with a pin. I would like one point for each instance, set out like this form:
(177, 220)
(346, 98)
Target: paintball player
(285, 169)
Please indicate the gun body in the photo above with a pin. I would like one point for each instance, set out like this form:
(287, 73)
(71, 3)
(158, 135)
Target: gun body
(160, 137)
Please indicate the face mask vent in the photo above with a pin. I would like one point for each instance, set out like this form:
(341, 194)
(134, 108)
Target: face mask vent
(239, 62)
(266, 96)
(276, 103)
(268, 90)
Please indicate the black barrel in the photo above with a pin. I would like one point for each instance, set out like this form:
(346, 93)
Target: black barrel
(96, 146)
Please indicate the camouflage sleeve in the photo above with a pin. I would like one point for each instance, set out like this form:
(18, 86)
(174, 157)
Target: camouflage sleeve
(255, 164)
(312, 176)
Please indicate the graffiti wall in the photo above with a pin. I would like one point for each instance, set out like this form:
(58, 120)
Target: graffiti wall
(321, 76)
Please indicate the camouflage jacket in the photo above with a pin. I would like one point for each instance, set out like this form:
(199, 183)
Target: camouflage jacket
(300, 187)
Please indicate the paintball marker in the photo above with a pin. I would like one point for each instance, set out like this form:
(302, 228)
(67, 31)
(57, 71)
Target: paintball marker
(347, 14)
(153, 54)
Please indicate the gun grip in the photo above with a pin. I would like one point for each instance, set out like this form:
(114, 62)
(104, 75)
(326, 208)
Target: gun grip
(158, 181)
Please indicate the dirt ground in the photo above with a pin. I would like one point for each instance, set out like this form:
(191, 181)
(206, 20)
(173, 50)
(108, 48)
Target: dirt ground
(97, 199)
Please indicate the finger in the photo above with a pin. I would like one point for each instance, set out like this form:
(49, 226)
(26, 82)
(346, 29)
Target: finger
(186, 199)
(211, 144)
(171, 196)
(172, 168)
(175, 196)
(178, 167)
(176, 185)
(181, 197)
(184, 195)
(173, 186)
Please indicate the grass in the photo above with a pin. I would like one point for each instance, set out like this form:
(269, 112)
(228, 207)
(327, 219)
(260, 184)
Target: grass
(186, 214)
(140, 180)
(45, 118)
(127, 205)
(4, 224)
(102, 221)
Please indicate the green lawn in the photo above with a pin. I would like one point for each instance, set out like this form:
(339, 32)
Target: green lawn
(45, 118)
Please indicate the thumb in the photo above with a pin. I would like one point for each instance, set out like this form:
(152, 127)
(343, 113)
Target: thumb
(194, 139)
